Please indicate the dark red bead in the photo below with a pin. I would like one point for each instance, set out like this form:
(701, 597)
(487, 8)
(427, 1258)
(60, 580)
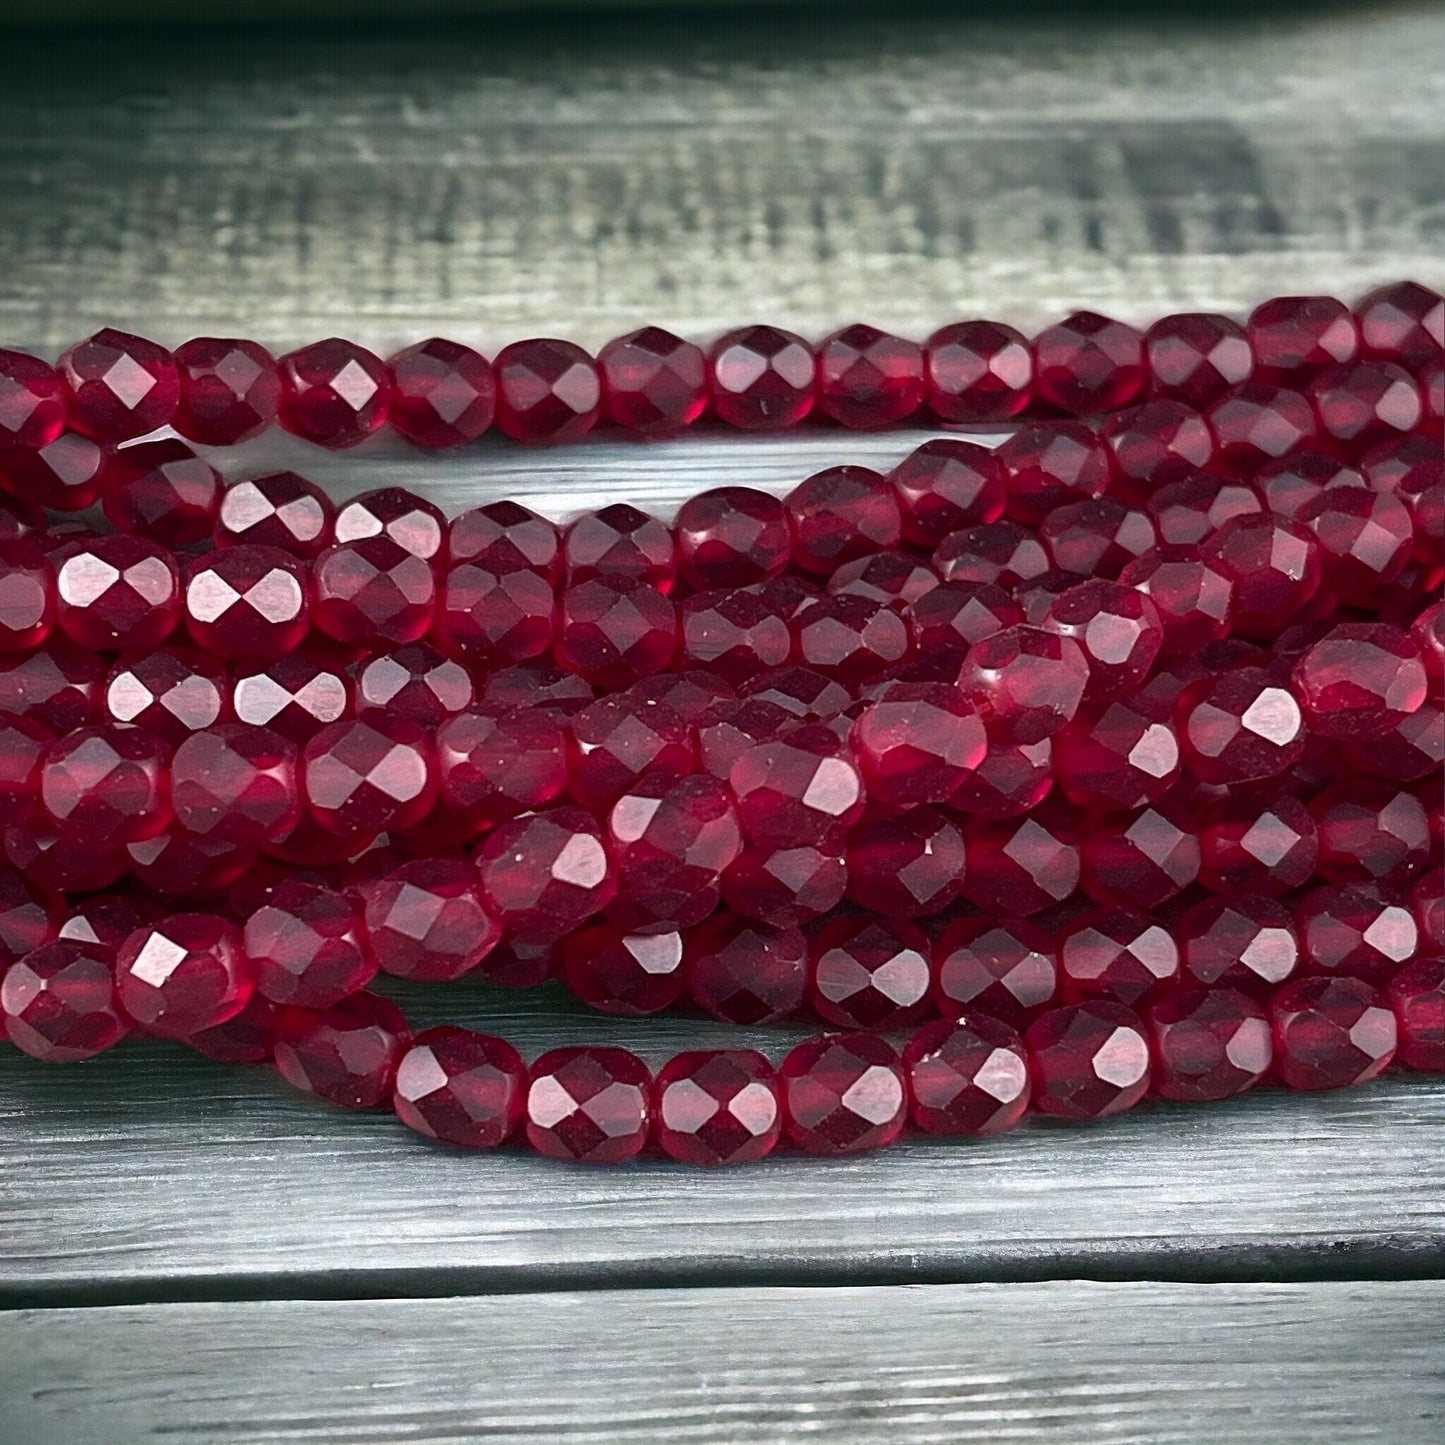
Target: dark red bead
(731, 536)
(116, 591)
(245, 1039)
(118, 386)
(1155, 444)
(1357, 929)
(1414, 748)
(1274, 565)
(461, 1087)
(1116, 953)
(1371, 831)
(613, 630)
(32, 400)
(1002, 554)
(1116, 756)
(1365, 538)
(426, 919)
(278, 509)
(717, 1107)
(176, 864)
(367, 775)
(415, 682)
(347, 1055)
(66, 475)
(977, 371)
(1020, 866)
(23, 742)
(617, 739)
(946, 485)
(1254, 423)
(1253, 846)
(235, 784)
(442, 393)
(809, 695)
(588, 1106)
(56, 861)
(787, 885)
(1208, 1044)
(1012, 779)
(1188, 510)
(495, 616)
(183, 974)
(1098, 538)
(954, 615)
(619, 541)
(246, 602)
(1140, 860)
(1294, 337)
(905, 865)
(296, 696)
(761, 378)
(413, 523)
(621, 971)
(335, 392)
(304, 946)
(372, 593)
(1195, 357)
(1087, 1060)
(547, 391)
(966, 1077)
(1417, 995)
(1050, 464)
(745, 972)
(916, 743)
(842, 1094)
(30, 917)
(652, 381)
(59, 1003)
(869, 973)
(492, 766)
(1244, 942)
(867, 378)
(1088, 363)
(1369, 402)
(57, 685)
(1025, 683)
(1116, 627)
(797, 788)
(1005, 968)
(1360, 680)
(106, 784)
(514, 963)
(536, 684)
(1403, 323)
(896, 578)
(505, 537)
(841, 514)
(849, 637)
(30, 598)
(1238, 726)
(230, 390)
(1330, 1033)
(164, 491)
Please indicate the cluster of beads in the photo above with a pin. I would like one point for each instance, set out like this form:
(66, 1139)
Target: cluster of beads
(1106, 760)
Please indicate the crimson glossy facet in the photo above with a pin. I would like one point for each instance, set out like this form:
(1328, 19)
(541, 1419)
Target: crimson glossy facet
(335, 392)
(1330, 1033)
(652, 381)
(842, 1094)
(588, 1105)
(1087, 1060)
(347, 1054)
(183, 974)
(230, 390)
(460, 1086)
(976, 371)
(442, 394)
(760, 378)
(867, 378)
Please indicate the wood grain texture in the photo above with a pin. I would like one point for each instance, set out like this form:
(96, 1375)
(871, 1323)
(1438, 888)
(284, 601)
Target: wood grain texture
(1067, 1362)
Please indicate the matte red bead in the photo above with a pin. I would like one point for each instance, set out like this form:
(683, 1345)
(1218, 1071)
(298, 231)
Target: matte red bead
(505, 537)
(30, 594)
(1360, 680)
(295, 696)
(335, 392)
(54, 861)
(1369, 402)
(867, 378)
(372, 593)
(976, 371)
(106, 784)
(954, 615)
(1140, 860)
(442, 394)
(462, 1087)
(118, 386)
(59, 1003)
(1274, 565)
(363, 776)
(1025, 683)
(617, 739)
(731, 536)
(536, 684)
(1187, 511)
(717, 1106)
(1371, 830)
(1208, 1044)
(1012, 779)
(57, 685)
(245, 1039)
(30, 917)
(547, 391)
(761, 378)
(413, 523)
(1255, 422)
(304, 946)
(347, 1054)
(797, 788)
(619, 541)
(278, 509)
(613, 630)
(116, 591)
(492, 766)
(1088, 363)
(843, 1094)
(544, 873)
(426, 919)
(1414, 748)
(1087, 1060)
(966, 1077)
(1195, 357)
(1357, 929)
(841, 514)
(514, 963)
(1117, 629)
(1098, 538)
(1403, 322)
(236, 784)
(1330, 1033)
(623, 971)
(588, 1105)
(946, 485)
(1116, 756)
(1116, 953)
(869, 973)
(247, 602)
(1019, 866)
(1005, 968)
(809, 695)
(184, 973)
(164, 491)
(1417, 995)
(1294, 337)
(1049, 464)
(1155, 444)
(1247, 942)
(32, 400)
(1255, 846)
(415, 682)
(1003, 554)
(66, 475)
(916, 743)
(230, 390)
(745, 972)
(787, 885)
(652, 381)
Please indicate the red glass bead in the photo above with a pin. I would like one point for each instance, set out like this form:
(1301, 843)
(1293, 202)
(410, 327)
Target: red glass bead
(849, 636)
(839, 515)
(66, 475)
(1293, 337)
(1116, 756)
(797, 788)
(614, 741)
(1117, 629)
(619, 541)
(246, 602)
(1274, 565)
(118, 385)
(842, 1094)
(1356, 929)
(613, 630)
(514, 963)
(29, 594)
(59, 1003)
(279, 509)
(347, 1055)
(1049, 464)
(462, 1087)
(426, 919)
(1365, 538)
(1403, 323)
(536, 684)
(1253, 846)
(547, 391)
(916, 743)
(23, 743)
(544, 873)
(1140, 860)
(1004, 967)
(1025, 683)
(32, 400)
(415, 525)
(898, 579)
(304, 946)
(295, 696)
(1417, 995)
(1414, 748)
(955, 615)
(57, 685)
(868, 379)
(493, 766)
(761, 378)
(415, 682)
(905, 865)
(809, 695)
(717, 1107)
(966, 1077)
(372, 593)
(106, 784)
(442, 394)
(116, 591)
(1097, 538)
(335, 393)
(30, 917)
(1001, 553)
(176, 863)
(1208, 1044)
(1019, 866)
(1119, 954)
(1360, 680)
(182, 974)
(56, 861)
(787, 886)
(652, 381)
(1239, 725)
(1428, 633)
(977, 371)
(164, 491)
(1244, 942)
(245, 1039)
(731, 536)
(869, 973)
(505, 537)
(745, 972)
(621, 971)
(1193, 596)
(1187, 511)
(945, 486)
(1254, 423)
(588, 1106)
(491, 616)
(1330, 1033)
(1088, 363)
(1195, 357)
(235, 784)
(1362, 405)
(1155, 444)
(1087, 1060)
(230, 390)
(363, 776)
(1371, 831)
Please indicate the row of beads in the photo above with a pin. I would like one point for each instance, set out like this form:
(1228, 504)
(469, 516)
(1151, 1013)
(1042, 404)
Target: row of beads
(219, 391)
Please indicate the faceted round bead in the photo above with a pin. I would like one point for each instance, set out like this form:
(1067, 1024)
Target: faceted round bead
(1193, 596)
(236, 784)
(335, 392)
(59, 1003)
(1195, 357)
(278, 509)
(869, 973)
(613, 630)
(809, 695)
(905, 865)
(30, 917)
(1003, 554)
(32, 400)
(1255, 422)
(372, 593)
(953, 616)
(415, 682)
(1116, 953)
(492, 766)
(868, 379)
(1019, 866)
(347, 1054)
(544, 873)
(295, 696)
(57, 685)
(66, 475)
(246, 602)
(415, 525)
(547, 391)
(1208, 1044)
(30, 597)
(1365, 538)
(761, 378)
(588, 1105)
(116, 591)
(797, 788)
(1140, 860)
(1403, 323)
(619, 541)
(164, 491)
(652, 381)
(1155, 444)
(1244, 942)
(364, 776)
(1356, 929)
(245, 1039)
(717, 1106)
(536, 684)
(671, 839)
(462, 1087)
(617, 739)
(426, 919)
(1116, 756)
(1330, 1033)
(1097, 538)
(690, 693)
(1414, 748)
(736, 633)
(839, 515)
(442, 394)
(730, 537)
(787, 885)
(1359, 681)
(1238, 726)
(842, 1094)
(54, 861)
(1005, 968)
(1087, 1060)
(946, 485)
(1025, 683)
(505, 537)
(1369, 402)
(1088, 363)
(1371, 831)
(916, 742)
(184, 973)
(304, 946)
(849, 637)
(1187, 511)
(1049, 464)
(1274, 565)
(230, 390)
(118, 386)
(494, 616)
(1116, 627)
(1294, 337)
(741, 971)
(1253, 846)
(106, 784)
(976, 371)
(23, 743)
(966, 1077)
(621, 971)
(1417, 995)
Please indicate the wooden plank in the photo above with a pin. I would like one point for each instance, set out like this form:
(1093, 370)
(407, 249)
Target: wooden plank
(1082, 1363)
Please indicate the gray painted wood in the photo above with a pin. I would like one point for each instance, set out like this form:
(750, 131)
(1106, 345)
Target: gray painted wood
(1065, 1362)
